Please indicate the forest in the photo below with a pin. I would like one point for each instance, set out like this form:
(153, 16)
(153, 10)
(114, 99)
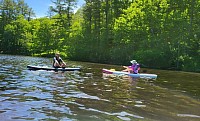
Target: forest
(160, 34)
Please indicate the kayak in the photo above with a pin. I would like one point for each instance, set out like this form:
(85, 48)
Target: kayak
(139, 75)
(30, 67)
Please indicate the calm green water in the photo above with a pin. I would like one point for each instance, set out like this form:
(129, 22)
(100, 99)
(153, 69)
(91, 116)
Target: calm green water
(89, 95)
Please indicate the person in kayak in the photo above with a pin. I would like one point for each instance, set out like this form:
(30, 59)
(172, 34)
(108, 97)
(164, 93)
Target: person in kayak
(58, 62)
(134, 68)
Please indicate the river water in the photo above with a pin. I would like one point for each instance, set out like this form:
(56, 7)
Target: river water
(88, 95)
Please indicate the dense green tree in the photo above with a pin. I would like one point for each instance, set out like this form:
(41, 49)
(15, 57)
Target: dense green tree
(161, 33)
(17, 36)
(149, 31)
(10, 11)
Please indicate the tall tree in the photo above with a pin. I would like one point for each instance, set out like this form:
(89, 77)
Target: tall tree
(65, 10)
(10, 10)
(16, 36)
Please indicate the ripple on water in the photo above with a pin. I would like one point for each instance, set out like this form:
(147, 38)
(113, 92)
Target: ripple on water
(188, 115)
(122, 115)
(45, 95)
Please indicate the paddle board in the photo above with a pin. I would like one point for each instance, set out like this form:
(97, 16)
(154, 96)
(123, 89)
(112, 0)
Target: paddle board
(30, 67)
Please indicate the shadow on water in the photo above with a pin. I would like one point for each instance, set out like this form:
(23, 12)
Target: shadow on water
(89, 95)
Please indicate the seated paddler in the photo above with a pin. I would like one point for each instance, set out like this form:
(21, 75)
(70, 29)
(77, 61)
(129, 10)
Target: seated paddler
(134, 68)
(58, 62)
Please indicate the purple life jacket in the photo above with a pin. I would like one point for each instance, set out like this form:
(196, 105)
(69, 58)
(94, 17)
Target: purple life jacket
(135, 68)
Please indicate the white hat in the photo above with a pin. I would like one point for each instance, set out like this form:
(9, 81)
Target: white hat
(133, 61)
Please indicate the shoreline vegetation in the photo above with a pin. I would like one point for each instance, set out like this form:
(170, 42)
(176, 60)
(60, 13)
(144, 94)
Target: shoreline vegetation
(144, 69)
(161, 34)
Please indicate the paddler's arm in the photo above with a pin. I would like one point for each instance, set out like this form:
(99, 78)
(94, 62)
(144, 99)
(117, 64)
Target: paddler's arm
(63, 63)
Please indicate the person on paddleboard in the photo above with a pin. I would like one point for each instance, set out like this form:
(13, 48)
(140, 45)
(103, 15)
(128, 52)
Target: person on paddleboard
(134, 68)
(58, 62)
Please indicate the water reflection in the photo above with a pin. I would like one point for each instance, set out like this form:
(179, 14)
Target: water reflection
(86, 95)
